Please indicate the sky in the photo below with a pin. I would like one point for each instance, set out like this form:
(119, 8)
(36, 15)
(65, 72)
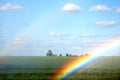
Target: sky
(32, 27)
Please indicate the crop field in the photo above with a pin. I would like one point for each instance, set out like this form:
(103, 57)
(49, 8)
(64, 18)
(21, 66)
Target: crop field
(44, 68)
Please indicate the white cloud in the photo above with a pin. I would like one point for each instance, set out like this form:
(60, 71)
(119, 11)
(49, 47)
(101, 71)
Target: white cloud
(70, 7)
(9, 6)
(106, 23)
(87, 35)
(103, 8)
(117, 36)
(118, 10)
(52, 34)
(73, 38)
(64, 35)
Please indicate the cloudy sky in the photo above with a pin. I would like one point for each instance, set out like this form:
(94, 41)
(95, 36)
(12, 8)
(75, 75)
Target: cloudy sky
(32, 27)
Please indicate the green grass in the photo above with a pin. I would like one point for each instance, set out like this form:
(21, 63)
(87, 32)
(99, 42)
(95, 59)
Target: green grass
(44, 68)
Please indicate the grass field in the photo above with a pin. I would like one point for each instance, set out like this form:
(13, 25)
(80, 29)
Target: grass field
(44, 68)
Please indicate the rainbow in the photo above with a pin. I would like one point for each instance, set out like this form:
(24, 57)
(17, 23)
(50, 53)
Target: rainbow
(79, 62)
(35, 25)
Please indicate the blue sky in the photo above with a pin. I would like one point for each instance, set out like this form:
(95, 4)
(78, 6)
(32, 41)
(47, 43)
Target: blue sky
(31, 27)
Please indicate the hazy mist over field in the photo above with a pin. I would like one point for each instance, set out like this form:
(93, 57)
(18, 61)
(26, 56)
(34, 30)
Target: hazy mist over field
(32, 27)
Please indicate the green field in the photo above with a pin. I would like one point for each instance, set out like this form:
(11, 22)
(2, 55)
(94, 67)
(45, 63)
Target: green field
(44, 68)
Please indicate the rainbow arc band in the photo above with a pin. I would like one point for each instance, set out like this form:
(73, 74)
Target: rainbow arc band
(80, 62)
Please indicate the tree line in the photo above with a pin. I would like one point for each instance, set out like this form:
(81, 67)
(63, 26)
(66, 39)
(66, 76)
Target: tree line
(50, 53)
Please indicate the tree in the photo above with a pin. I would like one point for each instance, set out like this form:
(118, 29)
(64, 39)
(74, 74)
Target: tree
(49, 53)
(60, 55)
(67, 54)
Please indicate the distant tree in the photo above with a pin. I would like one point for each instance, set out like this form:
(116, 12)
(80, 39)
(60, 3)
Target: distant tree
(67, 54)
(60, 55)
(49, 53)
